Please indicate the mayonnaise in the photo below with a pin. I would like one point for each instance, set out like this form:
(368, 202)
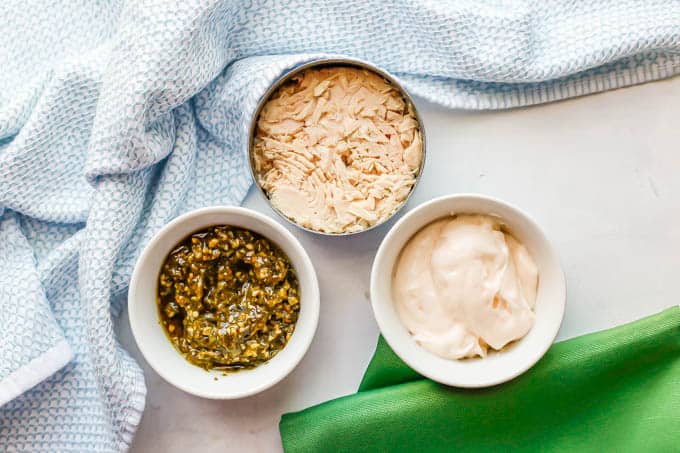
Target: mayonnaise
(462, 284)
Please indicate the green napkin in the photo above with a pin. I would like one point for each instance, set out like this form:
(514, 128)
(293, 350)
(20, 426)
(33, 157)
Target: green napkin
(616, 390)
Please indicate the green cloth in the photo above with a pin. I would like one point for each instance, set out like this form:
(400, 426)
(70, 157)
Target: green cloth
(615, 390)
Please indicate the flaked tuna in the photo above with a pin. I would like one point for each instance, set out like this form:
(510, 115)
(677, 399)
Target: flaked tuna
(337, 149)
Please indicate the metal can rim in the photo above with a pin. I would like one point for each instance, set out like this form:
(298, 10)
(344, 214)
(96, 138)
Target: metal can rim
(321, 62)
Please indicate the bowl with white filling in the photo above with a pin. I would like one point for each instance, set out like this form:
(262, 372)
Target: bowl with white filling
(336, 146)
(468, 291)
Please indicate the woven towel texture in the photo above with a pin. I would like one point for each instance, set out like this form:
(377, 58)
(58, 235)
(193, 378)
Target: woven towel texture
(117, 116)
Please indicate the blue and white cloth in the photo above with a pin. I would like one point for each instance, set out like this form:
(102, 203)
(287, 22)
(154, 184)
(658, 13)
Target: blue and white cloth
(117, 116)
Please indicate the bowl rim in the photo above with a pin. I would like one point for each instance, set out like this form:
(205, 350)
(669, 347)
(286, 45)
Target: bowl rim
(321, 62)
(312, 301)
(377, 274)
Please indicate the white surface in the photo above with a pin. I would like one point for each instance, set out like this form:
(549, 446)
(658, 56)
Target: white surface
(496, 367)
(150, 336)
(599, 174)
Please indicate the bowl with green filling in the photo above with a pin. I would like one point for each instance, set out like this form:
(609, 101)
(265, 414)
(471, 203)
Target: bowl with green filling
(223, 302)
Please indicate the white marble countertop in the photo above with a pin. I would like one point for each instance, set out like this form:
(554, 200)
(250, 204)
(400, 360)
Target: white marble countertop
(601, 176)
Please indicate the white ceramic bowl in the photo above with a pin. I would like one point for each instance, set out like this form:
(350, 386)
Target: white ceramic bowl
(499, 366)
(157, 349)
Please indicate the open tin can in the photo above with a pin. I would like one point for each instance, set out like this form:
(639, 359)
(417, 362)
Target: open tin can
(327, 62)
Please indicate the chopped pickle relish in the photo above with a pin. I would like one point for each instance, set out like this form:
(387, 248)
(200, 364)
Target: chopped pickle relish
(228, 298)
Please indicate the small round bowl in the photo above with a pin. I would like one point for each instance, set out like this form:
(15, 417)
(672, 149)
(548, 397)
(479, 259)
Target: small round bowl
(319, 63)
(499, 366)
(152, 340)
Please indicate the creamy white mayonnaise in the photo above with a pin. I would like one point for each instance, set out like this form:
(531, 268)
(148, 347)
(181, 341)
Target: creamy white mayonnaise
(462, 284)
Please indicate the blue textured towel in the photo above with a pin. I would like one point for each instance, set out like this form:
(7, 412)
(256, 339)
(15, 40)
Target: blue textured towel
(115, 117)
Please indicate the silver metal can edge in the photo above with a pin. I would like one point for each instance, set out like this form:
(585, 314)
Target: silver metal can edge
(333, 61)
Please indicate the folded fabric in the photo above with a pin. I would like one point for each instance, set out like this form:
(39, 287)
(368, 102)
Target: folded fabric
(615, 390)
(117, 116)
(32, 345)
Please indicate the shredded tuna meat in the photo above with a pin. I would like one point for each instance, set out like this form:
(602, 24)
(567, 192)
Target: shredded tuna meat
(337, 149)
